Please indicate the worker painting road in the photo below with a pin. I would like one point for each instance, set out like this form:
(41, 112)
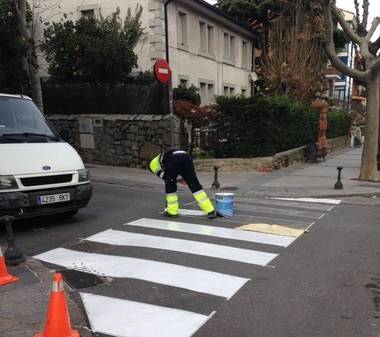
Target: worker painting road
(169, 166)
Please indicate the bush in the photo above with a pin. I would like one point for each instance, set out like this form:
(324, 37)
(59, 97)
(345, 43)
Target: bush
(262, 126)
(339, 123)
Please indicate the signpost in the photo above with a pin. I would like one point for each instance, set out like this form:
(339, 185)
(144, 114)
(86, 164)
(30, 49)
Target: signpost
(163, 74)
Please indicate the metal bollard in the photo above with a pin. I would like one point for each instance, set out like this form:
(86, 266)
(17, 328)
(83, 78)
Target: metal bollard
(338, 184)
(215, 184)
(13, 255)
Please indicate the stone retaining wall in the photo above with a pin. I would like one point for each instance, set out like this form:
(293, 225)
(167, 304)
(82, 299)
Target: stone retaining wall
(278, 161)
(119, 140)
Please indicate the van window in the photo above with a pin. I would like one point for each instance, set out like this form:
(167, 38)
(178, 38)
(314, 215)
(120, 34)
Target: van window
(21, 116)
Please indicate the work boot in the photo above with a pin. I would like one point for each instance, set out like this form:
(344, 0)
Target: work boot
(168, 215)
(212, 215)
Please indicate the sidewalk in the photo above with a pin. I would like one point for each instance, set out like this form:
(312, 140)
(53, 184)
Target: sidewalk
(24, 303)
(304, 180)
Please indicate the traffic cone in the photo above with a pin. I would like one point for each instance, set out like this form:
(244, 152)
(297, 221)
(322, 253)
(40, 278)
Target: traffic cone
(5, 277)
(58, 319)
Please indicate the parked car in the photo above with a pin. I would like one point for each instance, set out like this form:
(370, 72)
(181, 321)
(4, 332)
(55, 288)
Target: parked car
(40, 173)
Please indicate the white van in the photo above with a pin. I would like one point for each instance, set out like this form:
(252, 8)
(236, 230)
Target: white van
(40, 173)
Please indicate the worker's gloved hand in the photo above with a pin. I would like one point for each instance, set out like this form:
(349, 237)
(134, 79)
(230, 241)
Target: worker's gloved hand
(181, 181)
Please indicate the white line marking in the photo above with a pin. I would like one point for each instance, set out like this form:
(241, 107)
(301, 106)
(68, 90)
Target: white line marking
(120, 238)
(316, 200)
(123, 318)
(189, 212)
(219, 232)
(198, 280)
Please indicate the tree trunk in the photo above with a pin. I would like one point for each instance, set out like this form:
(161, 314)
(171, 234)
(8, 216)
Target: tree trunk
(36, 88)
(368, 169)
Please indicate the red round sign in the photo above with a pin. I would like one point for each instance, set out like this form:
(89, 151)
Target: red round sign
(162, 71)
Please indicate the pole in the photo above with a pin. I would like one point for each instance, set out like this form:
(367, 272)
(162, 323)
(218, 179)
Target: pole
(171, 108)
(13, 255)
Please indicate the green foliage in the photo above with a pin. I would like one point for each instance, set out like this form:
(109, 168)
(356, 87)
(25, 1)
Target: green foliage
(12, 50)
(91, 50)
(182, 93)
(339, 123)
(262, 126)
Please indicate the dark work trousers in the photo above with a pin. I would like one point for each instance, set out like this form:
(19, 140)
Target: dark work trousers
(180, 165)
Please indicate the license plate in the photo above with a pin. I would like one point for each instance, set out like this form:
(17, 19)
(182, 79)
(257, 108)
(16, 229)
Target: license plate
(53, 198)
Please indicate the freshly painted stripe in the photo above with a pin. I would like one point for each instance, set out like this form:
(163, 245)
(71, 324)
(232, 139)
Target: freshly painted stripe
(279, 203)
(272, 229)
(134, 319)
(316, 200)
(219, 232)
(120, 238)
(198, 280)
(279, 211)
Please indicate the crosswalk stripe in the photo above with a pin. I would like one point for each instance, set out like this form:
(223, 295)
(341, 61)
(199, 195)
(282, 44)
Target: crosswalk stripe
(219, 232)
(128, 318)
(198, 280)
(120, 238)
(282, 203)
(315, 200)
(279, 211)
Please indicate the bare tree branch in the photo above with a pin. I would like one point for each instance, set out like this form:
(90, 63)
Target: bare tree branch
(374, 47)
(365, 13)
(330, 48)
(357, 17)
(375, 24)
(344, 24)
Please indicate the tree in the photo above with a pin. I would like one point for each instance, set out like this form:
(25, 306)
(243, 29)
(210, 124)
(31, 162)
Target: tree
(12, 76)
(26, 29)
(93, 50)
(369, 76)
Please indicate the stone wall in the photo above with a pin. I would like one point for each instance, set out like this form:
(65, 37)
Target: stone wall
(278, 161)
(119, 140)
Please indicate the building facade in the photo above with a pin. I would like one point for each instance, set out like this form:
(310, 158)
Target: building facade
(205, 47)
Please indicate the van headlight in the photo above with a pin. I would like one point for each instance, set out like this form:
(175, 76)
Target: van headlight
(83, 175)
(8, 183)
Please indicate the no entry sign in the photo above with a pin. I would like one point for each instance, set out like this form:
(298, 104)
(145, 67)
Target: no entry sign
(162, 71)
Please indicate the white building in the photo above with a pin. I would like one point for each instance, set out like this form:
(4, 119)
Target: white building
(205, 47)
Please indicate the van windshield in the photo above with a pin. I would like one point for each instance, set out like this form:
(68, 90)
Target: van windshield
(21, 121)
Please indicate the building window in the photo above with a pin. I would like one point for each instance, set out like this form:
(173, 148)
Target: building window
(203, 32)
(182, 29)
(206, 37)
(244, 58)
(184, 83)
(207, 92)
(228, 91)
(88, 14)
(229, 48)
(244, 92)
(210, 39)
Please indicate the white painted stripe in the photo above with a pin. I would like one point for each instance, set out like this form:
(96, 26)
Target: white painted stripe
(219, 232)
(120, 238)
(199, 280)
(134, 319)
(316, 200)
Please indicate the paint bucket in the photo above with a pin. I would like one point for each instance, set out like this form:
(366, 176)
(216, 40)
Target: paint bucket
(225, 204)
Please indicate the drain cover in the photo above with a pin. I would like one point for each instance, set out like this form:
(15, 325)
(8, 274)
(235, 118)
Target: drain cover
(78, 279)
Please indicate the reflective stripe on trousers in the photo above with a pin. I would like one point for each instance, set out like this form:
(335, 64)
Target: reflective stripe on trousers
(172, 204)
(204, 202)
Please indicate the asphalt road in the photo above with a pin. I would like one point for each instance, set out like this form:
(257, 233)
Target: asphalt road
(326, 283)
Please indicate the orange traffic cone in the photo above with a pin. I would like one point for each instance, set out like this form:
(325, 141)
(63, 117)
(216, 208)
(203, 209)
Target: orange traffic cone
(58, 319)
(5, 277)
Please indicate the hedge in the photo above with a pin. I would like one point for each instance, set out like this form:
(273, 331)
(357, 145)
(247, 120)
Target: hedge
(262, 126)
